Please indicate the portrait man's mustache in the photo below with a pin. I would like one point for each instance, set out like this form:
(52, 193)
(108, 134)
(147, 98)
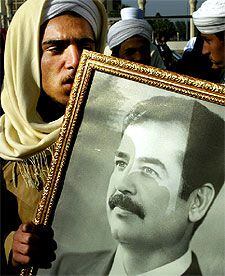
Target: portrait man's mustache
(126, 203)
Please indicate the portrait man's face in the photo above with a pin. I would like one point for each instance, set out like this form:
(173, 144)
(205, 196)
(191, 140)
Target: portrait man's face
(148, 170)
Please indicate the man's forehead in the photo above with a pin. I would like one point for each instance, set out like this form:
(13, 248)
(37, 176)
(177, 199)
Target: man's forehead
(173, 135)
(67, 26)
(204, 35)
(147, 123)
(134, 39)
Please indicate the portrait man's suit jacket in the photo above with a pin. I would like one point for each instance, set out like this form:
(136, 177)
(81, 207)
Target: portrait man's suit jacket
(100, 263)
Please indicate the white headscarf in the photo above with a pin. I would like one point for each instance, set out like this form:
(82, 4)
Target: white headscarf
(132, 23)
(22, 131)
(210, 17)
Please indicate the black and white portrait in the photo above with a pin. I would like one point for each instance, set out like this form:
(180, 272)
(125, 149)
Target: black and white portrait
(143, 191)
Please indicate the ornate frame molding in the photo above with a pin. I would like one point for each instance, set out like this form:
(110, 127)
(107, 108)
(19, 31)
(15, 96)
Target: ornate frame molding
(89, 63)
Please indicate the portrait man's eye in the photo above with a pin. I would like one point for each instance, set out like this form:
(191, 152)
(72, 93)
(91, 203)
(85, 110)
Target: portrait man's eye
(148, 171)
(121, 164)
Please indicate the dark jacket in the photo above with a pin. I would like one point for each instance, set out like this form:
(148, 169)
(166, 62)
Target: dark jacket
(100, 263)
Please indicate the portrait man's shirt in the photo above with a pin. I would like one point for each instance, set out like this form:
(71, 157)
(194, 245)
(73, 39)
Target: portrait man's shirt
(175, 268)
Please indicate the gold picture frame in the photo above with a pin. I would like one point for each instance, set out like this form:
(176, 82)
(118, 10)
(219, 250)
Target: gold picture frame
(92, 67)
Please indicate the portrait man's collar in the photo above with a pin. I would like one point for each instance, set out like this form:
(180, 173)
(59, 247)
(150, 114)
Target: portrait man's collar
(175, 268)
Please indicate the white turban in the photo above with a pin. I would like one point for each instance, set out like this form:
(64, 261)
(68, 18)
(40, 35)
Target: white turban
(85, 8)
(210, 17)
(132, 23)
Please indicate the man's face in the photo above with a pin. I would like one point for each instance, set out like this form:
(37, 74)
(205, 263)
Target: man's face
(63, 40)
(147, 170)
(136, 49)
(214, 48)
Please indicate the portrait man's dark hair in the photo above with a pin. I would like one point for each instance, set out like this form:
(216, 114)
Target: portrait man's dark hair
(204, 156)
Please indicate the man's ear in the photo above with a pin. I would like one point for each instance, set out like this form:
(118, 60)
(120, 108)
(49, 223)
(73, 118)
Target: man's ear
(200, 201)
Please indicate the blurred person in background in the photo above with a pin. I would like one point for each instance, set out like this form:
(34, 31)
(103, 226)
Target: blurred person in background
(209, 19)
(131, 39)
(194, 63)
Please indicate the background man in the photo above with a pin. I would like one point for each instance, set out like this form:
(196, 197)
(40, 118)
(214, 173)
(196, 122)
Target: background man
(43, 48)
(210, 21)
(195, 64)
(130, 38)
(168, 169)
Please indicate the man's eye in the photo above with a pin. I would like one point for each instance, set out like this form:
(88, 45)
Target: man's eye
(120, 164)
(206, 40)
(87, 46)
(130, 52)
(150, 172)
(56, 49)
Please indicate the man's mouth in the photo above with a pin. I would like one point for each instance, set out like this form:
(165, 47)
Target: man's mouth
(69, 79)
(216, 65)
(68, 84)
(126, 203)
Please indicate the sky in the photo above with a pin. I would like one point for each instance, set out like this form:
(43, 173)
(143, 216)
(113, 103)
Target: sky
(164, 7)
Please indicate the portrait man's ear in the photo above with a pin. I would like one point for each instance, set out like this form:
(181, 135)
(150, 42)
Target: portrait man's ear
(200, 201)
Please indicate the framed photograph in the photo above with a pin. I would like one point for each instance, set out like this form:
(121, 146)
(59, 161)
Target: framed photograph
(130, 130)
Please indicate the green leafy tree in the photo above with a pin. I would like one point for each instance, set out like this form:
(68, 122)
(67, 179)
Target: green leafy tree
(181, 28)
(163, 27)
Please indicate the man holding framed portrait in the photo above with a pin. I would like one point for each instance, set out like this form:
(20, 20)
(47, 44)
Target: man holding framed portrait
(44, 43)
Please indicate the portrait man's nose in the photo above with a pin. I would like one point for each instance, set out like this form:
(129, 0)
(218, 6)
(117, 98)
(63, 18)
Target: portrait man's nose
(127, 181)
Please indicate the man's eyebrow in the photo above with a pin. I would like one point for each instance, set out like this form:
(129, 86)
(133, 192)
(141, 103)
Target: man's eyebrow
(62, 41)
(121, 154)
(154, 161)
(53, 41)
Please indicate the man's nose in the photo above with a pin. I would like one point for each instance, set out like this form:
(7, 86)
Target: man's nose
(72, 57)
(205, 49)
(137, 56)
(126, 184)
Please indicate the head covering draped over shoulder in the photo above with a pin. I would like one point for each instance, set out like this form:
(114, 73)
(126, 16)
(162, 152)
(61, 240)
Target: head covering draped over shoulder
(210, 17)
(132, 24)
(22, 131)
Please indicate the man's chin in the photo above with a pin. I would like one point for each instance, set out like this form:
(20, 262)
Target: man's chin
(218, 66)
(121, 220)
(62, 101)
(120, 232)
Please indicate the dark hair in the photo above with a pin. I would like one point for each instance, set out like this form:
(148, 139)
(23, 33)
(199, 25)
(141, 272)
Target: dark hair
(204, 157)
